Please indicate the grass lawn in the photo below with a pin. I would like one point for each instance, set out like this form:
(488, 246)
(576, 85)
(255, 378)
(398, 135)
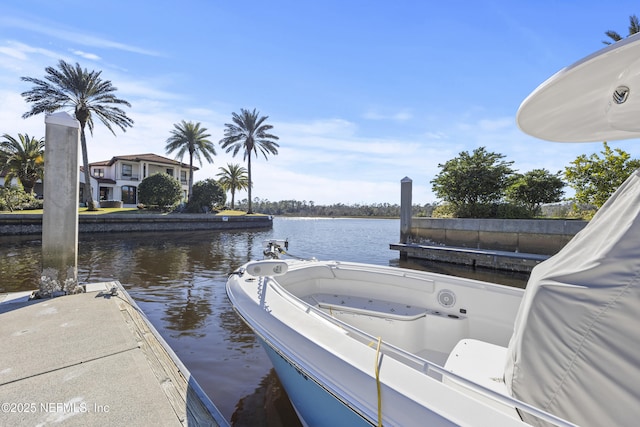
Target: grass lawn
(81, 211)
(229, 212)
(132, 211)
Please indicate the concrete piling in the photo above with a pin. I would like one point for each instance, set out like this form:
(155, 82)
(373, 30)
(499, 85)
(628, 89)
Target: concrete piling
(60, 216)
(405, 211)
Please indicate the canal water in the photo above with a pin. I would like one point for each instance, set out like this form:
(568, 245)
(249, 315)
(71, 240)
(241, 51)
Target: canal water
(178, 280)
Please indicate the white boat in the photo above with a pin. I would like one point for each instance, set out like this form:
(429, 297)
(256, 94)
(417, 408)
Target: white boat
(357, 344)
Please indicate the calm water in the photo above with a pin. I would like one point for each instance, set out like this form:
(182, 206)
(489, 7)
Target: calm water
(178, 280)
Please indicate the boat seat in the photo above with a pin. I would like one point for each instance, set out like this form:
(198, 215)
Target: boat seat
(482, 363)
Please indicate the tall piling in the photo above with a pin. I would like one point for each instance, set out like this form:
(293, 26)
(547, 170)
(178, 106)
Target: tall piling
(406, 185)
(60, 210)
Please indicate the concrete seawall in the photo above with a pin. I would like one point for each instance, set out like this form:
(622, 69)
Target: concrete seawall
(503, 244)
(544, 237)
(22, 224)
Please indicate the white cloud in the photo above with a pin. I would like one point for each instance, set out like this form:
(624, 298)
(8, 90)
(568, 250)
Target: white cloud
(18, 57)
(13, 52)
(491, 125)
(276, 184)
(399, 116)
(11, 110)
(59, 32)
(438, 135)
(86, 55)
(322, 127)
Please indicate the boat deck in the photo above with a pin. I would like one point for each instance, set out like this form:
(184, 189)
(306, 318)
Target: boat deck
(366, 306)
(404, 325)
(413, 328)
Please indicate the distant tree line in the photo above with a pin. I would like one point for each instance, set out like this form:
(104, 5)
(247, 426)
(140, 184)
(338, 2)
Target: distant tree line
(310, 209)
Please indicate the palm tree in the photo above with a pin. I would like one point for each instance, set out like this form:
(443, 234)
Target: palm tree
(85, 92)
(23, 159)
(634, 27)
(249, 132)
(233, 178)
(189, 136)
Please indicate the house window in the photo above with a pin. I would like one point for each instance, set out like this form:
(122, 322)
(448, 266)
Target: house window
(129, 194)
(127, 171)
(183, 177)
(169, 171)
(104, 193)
(98, 173)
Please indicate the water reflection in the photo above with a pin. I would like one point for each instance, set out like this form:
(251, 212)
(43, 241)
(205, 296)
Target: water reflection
(20, 263)
(178, 279)
(267, 406)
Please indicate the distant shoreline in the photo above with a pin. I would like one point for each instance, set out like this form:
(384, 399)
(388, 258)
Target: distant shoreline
(292, 215)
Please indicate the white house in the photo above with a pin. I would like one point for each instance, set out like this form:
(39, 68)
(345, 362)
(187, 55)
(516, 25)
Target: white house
(118, 178)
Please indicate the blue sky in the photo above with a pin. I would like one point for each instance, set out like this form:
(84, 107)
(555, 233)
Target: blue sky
(361, 93)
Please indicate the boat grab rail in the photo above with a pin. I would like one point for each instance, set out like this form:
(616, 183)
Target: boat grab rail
(418, 363)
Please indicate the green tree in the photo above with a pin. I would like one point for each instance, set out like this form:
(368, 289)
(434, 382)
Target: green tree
(534, 188)
(595, 179)
(634, 27)
(23, 159)
(207, 194)
(160, 190)
(232, 179)
(190, 137)
(88, 94)
(472, 180)
(249, 133)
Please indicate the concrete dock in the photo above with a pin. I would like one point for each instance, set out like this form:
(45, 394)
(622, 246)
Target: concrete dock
(92, 359)
(486, 258)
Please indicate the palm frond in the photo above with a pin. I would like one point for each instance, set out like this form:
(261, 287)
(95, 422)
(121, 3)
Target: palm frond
(23, 159)
(71, 87)
(634, 25)
(249, 133)
(188, 137)
(634, 28)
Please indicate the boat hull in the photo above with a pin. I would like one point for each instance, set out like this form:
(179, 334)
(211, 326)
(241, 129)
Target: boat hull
(314, 405)
(329, 363)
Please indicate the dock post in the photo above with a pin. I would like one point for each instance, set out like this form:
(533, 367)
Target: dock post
(60, 210)
(405, 212)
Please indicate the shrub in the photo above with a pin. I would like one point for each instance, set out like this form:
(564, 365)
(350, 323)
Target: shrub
(160, 191)
(479, 178)
(446, 210)
(512, 211)
(482, 210)
(206, 195)
(110, 204)
(16, 199)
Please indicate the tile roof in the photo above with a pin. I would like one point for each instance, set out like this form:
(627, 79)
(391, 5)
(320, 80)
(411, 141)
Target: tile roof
(149, 157)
